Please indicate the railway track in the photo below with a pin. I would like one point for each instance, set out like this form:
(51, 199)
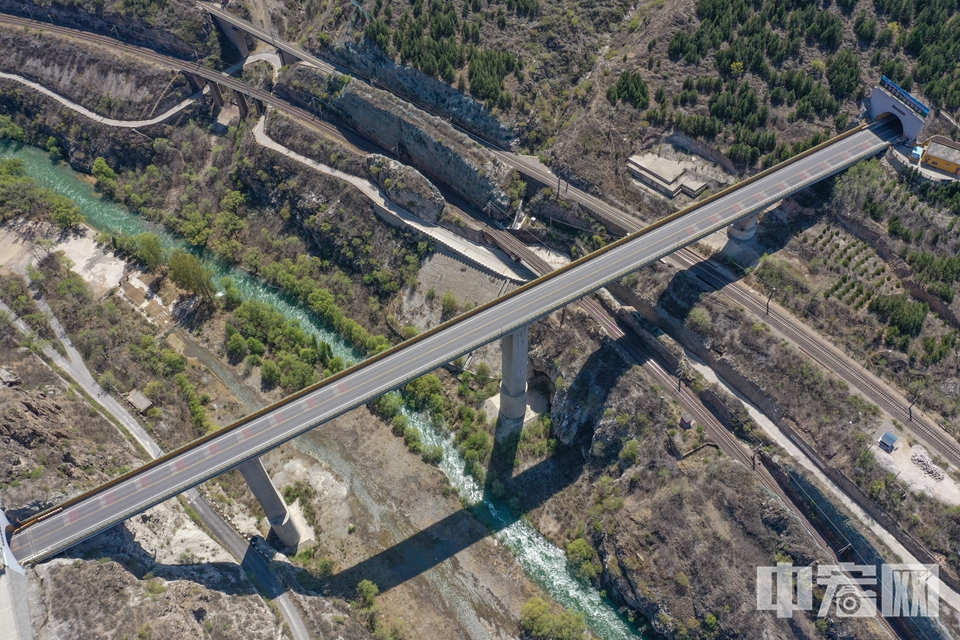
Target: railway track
(825, 356)
(727, 442)
(710, 273)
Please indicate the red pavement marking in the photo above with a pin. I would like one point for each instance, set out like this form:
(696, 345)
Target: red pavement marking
(311, 402)
(781, 186)
(714, 218)
(690, 230)
(738, 207)
(214, 448)
(145, 482)
(824, 165)
(180, 465)
(342, 387)
(247, 433)
(109, 499)
(845, 155)
(73, 516)
(278, 417)
(803, 175)
(758, 197)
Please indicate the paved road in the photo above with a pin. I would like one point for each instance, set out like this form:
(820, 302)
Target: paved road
(236, 544)
(475, 254)
(129, 124)
(137, 491)
(251, 560)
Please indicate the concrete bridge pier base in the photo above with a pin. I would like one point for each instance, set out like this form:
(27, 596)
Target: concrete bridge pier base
(195, 80)
(241, 104)
(514, 348)
(269, 498)
(235, 36)
(287, 58)
(216, 94)
(744, 228)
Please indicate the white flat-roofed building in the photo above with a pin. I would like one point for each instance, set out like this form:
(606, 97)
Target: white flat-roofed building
(669, 177)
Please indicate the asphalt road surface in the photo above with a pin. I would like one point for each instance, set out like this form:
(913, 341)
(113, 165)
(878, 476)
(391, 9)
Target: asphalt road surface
(137, 491)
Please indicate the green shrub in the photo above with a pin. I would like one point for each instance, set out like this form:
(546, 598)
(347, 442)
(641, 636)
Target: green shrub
(367, 593)
(630, 452)
(269, 372)
(537, 621)
(632, 89)
(237, 346)
(906, 316)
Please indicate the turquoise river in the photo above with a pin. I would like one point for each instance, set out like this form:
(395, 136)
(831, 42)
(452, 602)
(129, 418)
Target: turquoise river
(543, 562)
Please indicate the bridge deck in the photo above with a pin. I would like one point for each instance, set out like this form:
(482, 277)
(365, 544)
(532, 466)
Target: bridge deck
(208, 457)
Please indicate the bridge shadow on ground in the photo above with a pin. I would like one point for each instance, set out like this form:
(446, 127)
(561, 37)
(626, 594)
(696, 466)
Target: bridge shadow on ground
(738, 257)
(119, 545)
(460, 530)
(530, 489)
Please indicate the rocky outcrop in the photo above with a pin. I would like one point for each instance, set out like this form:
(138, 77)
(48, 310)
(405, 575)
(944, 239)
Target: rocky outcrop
(407, 187)
(366, 59)
(51, 445)
(566, 357)
(428, 143)
(678, 541)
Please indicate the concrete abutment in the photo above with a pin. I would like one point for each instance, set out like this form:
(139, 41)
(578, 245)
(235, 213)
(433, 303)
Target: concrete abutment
(269, 498)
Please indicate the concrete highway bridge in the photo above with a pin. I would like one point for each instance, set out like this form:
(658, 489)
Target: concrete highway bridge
(241, 444)
(507, 318)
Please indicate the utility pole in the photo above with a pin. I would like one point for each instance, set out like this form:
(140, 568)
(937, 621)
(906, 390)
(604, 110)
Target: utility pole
(772, 292)
(910, 408)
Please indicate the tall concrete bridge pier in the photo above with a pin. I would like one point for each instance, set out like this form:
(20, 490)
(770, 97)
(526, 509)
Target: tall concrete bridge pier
(744, 228)
(236, 37)
(514, 349)
(269, 498)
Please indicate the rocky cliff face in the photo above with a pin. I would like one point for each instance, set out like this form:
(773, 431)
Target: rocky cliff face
(365, 59)
(52, 446)
(430, 144)
(175, 27)
(112, 86)
(407, 187)
(676, 540)
(567, 353)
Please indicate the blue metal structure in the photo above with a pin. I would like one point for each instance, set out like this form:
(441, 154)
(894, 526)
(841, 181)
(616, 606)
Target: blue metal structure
(901, 94)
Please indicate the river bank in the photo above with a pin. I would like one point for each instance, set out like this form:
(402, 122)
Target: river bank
(474, 593)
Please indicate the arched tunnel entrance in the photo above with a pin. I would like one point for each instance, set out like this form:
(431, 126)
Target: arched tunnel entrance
(884, 106)
(892, 120)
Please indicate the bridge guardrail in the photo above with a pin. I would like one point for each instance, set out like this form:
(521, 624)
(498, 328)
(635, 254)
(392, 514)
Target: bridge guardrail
(396, 348)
